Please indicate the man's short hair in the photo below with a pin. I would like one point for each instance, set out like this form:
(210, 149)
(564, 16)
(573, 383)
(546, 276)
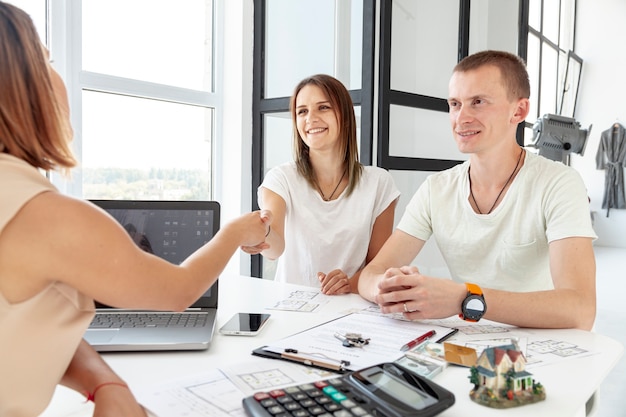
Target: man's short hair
(512, 70)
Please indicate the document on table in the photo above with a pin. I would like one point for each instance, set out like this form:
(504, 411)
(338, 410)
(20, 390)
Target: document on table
(219, 392)
(210, 394)
(385, 337)
(300, 300)
(539, 350)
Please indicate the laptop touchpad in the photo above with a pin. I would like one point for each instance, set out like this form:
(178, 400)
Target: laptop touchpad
(100, 335)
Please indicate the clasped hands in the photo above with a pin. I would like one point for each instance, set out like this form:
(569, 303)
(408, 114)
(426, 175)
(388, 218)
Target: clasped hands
(266, 218)
(405, 290)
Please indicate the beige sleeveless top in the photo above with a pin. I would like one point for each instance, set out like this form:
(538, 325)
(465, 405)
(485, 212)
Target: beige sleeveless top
(38, 336)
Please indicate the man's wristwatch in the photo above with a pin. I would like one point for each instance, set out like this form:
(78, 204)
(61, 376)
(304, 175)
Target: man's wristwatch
(473, 307)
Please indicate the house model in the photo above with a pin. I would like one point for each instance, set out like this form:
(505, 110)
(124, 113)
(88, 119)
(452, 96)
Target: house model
(501, 380)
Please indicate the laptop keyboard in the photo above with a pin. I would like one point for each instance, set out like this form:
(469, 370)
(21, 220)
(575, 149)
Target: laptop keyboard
(126, 319)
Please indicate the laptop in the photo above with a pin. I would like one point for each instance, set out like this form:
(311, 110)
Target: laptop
(171, 230)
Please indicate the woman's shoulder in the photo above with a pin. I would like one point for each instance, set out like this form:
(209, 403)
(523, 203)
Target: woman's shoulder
(376, 178)
(285, 168)
(282, 178)
(375, 172)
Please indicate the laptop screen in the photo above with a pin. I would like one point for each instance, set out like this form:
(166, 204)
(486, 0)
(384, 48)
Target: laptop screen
(171, 230)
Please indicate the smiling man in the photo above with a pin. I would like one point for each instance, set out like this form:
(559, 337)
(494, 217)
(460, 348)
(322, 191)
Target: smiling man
(513, 227)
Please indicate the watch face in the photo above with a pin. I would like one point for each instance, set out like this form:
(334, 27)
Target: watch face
(474, 307)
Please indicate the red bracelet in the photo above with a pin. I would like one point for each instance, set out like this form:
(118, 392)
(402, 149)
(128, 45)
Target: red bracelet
(91, 396)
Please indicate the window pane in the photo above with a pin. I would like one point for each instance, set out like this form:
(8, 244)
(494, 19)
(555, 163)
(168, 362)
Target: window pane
(534, 14)
(529, 138)
(419, 65)
(420, 133)
(549, 72)
(150, 40)
(551, 20)
(570, 87)
(493, 24)
(277, 134)
(153, 150)
(561, 80)
(532, 65)
(567, 25)
(37, 11)
(295, 49)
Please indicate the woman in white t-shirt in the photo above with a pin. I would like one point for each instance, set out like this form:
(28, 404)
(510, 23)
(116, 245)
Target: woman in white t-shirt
(331, 214)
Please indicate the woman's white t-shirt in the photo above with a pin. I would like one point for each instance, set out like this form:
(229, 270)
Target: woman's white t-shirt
(321, 236)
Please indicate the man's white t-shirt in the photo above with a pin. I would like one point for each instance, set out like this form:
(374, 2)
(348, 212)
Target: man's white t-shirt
(507, 249)
(321, 236)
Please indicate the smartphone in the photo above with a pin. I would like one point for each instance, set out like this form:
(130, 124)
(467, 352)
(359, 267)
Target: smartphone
(245, 324)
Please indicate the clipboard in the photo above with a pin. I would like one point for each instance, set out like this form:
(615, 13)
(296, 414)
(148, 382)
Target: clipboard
(321, 346)
(308, 359)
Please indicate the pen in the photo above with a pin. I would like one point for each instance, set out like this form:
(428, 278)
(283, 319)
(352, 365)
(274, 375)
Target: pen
(418, 340)
(447, 336)
(312, 359)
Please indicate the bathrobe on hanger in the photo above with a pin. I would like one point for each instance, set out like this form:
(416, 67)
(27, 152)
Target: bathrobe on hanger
(611, 156)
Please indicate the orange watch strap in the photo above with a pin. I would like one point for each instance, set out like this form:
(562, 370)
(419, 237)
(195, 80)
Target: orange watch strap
(473, 288)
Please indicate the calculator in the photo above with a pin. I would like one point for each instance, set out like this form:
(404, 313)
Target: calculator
(384, 390)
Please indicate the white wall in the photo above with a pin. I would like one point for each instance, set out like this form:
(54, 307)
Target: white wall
(600, 41)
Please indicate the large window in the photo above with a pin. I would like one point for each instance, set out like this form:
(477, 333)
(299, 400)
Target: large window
(420, 42)
(141, 76)
(553, 66)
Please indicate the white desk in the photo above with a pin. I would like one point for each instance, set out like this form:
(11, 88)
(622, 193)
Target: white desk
(568, 384)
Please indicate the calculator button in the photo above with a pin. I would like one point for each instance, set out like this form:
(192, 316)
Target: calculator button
(323, 400)
(290, 406)
(259, 396)
(307, 403)
(343, 413)
(348, 403)
(300, 413)
(275, 410)
(299, 396)
(268, 402)
(291, 390)
(358, 411)
(320, 384)
(332, 407)
(312, 391)
(316, 411)
(276, 393)
(338, 396)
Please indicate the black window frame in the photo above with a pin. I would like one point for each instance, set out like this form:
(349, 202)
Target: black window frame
(363, 97)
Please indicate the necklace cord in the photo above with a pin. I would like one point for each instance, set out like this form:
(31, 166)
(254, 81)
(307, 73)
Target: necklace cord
(334, 191)
(501, 191)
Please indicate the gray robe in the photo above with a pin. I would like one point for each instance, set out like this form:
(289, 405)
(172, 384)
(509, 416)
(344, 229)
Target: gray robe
(611, 156)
